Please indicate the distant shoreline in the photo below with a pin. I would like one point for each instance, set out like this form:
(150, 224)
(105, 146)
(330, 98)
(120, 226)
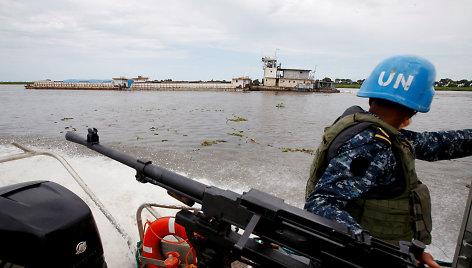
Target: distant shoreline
(453, 88)
(335, 85)
(436, 88)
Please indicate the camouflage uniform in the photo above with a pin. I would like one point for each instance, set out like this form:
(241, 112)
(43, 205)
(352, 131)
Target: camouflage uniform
(366, 163)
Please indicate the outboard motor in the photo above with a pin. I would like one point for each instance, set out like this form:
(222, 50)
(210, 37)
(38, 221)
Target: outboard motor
(43, 224)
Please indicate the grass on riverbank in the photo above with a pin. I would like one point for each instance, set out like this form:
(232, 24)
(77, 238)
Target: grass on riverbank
(346, 86)
(436, 88)
(453, 88)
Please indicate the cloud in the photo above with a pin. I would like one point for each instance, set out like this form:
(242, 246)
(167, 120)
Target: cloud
(335, 35)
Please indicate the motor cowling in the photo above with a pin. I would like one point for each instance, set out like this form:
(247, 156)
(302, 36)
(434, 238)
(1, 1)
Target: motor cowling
(43, 224)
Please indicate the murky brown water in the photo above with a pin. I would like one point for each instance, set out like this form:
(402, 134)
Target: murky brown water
(170, 127)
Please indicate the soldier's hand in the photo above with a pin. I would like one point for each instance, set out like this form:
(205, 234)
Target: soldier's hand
(427, 259)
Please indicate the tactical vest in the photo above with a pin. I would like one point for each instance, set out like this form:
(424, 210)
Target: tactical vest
(405, 215)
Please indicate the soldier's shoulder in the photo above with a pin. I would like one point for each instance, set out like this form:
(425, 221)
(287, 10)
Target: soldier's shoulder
(372, 136)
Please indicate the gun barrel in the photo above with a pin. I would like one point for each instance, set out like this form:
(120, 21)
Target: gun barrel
(165, 178)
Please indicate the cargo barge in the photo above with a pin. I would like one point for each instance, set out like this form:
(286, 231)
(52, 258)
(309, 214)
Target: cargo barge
(275, 78)
(142, 83)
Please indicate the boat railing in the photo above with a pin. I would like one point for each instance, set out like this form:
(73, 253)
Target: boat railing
(27, 152)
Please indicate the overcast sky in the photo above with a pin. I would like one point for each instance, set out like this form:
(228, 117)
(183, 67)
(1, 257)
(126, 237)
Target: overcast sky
(222, 39)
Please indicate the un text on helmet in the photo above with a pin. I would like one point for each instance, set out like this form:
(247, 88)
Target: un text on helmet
(400, 79)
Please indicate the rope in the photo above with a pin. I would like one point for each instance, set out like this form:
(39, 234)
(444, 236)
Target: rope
(148, 223)
(186, 258)
(444, 263)
(138, 262)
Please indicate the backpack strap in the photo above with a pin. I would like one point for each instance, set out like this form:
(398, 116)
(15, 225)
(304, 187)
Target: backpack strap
(380, 192)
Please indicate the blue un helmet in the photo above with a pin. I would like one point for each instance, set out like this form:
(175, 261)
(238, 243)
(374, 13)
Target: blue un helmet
(406, 80)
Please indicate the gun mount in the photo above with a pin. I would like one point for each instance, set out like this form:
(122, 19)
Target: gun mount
(286, 236)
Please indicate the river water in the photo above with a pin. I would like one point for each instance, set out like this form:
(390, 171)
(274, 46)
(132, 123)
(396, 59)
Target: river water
(232, 140)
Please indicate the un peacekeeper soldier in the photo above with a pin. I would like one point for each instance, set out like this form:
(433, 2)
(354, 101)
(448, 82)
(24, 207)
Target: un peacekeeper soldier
(363, 174)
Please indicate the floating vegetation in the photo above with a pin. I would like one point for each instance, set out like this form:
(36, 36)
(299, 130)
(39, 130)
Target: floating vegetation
(239, 119)
(253, 140)
(297, 150)
(138, 138)
(243, 136)
(209, 143)
(66, 118)
(185, 135)
(236, 119)
(280, 105)
(164, 140)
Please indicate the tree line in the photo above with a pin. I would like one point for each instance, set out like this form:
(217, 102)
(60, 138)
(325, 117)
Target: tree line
(444, 82)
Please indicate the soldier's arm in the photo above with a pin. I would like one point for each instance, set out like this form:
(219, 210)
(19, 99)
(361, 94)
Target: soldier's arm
(441, 145)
